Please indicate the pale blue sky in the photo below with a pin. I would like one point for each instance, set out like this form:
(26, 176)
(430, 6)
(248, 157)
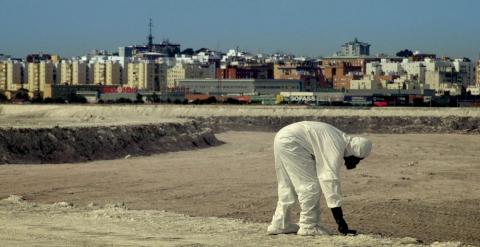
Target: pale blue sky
(303, 27)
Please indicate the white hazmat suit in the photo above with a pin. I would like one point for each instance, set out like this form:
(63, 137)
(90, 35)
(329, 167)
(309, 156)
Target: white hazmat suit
(308, 156)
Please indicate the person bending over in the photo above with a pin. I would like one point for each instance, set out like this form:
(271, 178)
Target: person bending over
(308, 158)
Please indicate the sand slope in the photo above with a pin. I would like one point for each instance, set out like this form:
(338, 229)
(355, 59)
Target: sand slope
(95, 115)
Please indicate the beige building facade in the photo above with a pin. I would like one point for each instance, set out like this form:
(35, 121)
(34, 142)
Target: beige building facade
(10, 75)
(478, 73)
(38, 76)
(174, 75)
(3, 76)
(286, 71)
(142, 75)
(366, 83)
(107, 73)
(73, 72)
(15, 77)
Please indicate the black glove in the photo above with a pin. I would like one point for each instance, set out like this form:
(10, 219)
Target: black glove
(342, 224)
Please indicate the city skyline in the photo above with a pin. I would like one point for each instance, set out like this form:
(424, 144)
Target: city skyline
(303, 28)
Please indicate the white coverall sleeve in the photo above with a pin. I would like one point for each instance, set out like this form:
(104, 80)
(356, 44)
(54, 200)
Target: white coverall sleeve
(329, 147)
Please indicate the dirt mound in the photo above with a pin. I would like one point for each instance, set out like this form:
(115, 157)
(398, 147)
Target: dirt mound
(78, 144)
(70, 133)
(351, 124)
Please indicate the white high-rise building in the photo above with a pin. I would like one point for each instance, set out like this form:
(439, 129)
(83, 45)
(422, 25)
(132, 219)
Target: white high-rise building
(354, 48)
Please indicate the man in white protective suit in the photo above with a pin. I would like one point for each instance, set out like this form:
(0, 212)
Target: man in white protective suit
(308, 157)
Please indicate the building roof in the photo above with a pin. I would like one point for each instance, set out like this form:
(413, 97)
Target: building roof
(355, 41)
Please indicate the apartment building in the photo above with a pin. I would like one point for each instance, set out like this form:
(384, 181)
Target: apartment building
(448, 75)
(73, 72)
(39, 74)
(15, 75)
(3, 76)
(147, 75)
(286, 71)
(174, 74)
(338, 71)
(107, 73)
(478, 73)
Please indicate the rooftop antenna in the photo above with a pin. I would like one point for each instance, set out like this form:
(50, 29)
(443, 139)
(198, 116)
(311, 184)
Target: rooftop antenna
(150, 36)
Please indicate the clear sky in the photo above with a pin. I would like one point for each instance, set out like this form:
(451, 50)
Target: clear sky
(303, 27)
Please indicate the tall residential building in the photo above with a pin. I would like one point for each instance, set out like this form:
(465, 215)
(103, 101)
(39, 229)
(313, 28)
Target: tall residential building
(55, 58)
(3, 76)
(145, 74)
(66, 72)
(39, 75)
(15, 75)
(478, 72)
(11, 76)
(107, 73)
(354, 48)
(73, 72)
(174, 74)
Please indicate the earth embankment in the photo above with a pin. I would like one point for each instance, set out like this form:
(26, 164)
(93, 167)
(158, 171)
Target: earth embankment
(353, 124)
(77, 133)
(79, 144)
(250, 117)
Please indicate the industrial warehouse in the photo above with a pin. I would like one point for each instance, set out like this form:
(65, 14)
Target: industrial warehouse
(254, 92)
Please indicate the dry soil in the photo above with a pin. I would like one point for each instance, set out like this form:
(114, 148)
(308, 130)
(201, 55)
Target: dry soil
(420, 186)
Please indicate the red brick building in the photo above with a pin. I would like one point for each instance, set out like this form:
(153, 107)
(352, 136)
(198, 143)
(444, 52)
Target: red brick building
(339, 71)
(260, 71)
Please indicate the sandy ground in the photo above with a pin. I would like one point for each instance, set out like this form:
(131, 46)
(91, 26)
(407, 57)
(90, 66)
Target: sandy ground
(61, 224)
(420, 186)
(94, 115)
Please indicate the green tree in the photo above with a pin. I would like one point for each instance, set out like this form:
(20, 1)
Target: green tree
(3, 98)
(405, 53)
(20, 96)
(188, 51)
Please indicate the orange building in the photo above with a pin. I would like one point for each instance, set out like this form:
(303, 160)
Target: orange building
(339, 71)
(256, 71)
